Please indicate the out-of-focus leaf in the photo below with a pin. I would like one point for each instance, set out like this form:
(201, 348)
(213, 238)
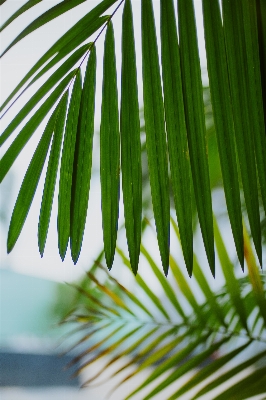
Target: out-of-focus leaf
(170, 362)
(83, 158)
(230, 278)
(29, 184)
(228, 374)
(163, 282)
(150, 294)
(187, 367)
(130, 140)
(109, 148)
(51, 174)
(254, 276)
(208, 370)
(176, 128)
(195, 120)
(223, 117)
(31, 126)
(155, 131)
(66, 169)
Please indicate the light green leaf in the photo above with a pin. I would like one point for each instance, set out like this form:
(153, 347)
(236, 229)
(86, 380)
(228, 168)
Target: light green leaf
(254, 276)
(31, 126)
(237, 59)
(150, 294)
(187, 367)
(44, 89)
(176, 128)
(166, 286)
(203, 283)
(206, 371)
(66, 169)
(130, 140)
(223, 117)
(83, 158)
(170, 362)
(228, 375)
(238, 391)
(29, 184)
(231, 281)
(155, 131)
(109, 148)
(51, 174)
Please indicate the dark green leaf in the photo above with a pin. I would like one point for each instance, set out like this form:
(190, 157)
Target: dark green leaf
(21, 10)
(66, 169)
(29, 184)
(176, 128)
(83, 158)
(51, 174)
(49, 15)
(44, 89)
(109, 148)
(155, 131)
(130, 140)
(81, 31)
(255, 99)
(237, 60)
(223, 117)
(30, 127)
(195, 119)
(231, 281)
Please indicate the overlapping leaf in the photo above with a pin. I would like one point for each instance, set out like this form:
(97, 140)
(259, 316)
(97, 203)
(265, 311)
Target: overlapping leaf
(195, 120)
(247, 124)
(83, 158)
(66, 168)
(196, 341)
(174, 124)
(223, 117)
(51, 174)
(155, 131)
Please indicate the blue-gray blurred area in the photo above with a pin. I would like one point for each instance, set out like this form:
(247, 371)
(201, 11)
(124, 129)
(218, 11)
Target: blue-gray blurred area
(29, 334)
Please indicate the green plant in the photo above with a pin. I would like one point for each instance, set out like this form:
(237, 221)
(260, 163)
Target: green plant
(181, 339)
(174, 123)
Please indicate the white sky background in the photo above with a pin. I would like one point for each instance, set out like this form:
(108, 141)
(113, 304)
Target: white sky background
(15, 64)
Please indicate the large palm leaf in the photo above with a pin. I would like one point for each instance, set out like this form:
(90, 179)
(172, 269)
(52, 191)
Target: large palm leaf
(174, 122)
(186, 341)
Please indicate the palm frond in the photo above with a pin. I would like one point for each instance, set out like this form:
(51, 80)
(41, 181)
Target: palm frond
(183, 347)
(174, 119)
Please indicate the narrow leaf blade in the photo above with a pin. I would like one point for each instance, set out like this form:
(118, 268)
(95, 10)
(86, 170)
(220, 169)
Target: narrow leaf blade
(109, 149)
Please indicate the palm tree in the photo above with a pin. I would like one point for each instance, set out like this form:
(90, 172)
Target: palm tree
(182, 340)
(235, 39)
